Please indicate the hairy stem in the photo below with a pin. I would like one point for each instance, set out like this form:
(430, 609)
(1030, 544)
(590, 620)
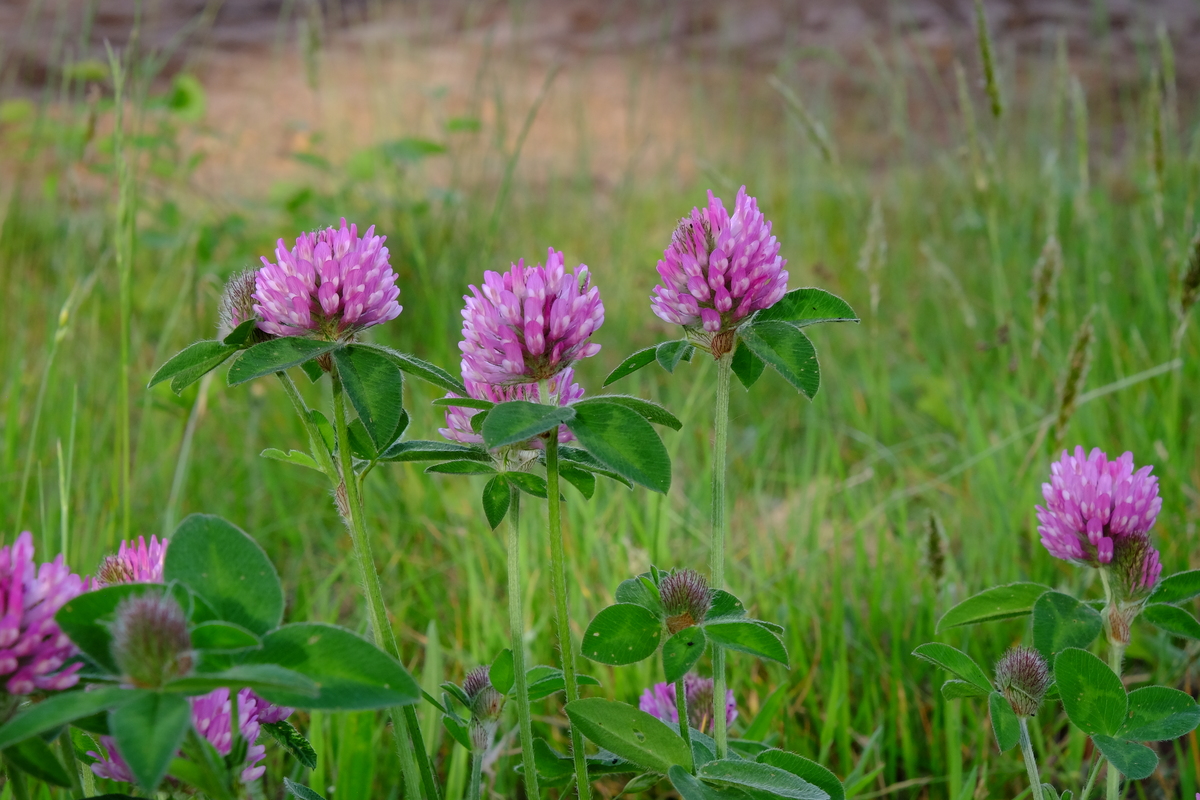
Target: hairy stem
(516, 628)
(685, 730)
(558, 582)
(316, 442)
(473, 791)
(1116, 654)
(1035, 780)
(404, 724)
(1091, 781)
(716, 553)
(74, 769)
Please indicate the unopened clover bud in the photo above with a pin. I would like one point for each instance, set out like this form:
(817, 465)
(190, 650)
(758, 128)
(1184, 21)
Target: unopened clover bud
(486, 702)
(114, 570)
(150, 640)
(686, 598)
(1136, 567)
(1023, 678)
(237, 305)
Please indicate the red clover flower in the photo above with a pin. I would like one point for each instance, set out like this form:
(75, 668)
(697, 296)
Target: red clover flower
(659, 701)
(458, 419)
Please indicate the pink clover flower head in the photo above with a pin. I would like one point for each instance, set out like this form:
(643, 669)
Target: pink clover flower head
(1091, 502)
(659, 701)
(140, 563)
(530, 323)
(33, 648)
(720, 268)
(332, 282)
(212, 719)
(458, 419)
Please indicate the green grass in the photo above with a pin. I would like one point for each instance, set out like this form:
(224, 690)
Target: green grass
(857, 519)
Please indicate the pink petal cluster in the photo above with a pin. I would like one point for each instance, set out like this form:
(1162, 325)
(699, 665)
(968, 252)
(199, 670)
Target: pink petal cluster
(530, 323)
(33, 648)
(211, 712)
(659, 701)
(458, 419)
(140, 564)
(720, 268)
(212, 717)
(332, 282)
(1093, 503)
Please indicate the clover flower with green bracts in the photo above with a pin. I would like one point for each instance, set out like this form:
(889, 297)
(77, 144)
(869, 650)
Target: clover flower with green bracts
(719, 269)
(331, 282)
(1023, 677)
(458, 419)
(142, 563)
(529, 323)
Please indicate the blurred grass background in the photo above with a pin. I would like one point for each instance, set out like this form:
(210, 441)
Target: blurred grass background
(857, 519)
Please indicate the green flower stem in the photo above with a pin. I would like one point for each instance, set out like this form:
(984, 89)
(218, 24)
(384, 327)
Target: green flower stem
(1035, 780)
(558, 583)
(716, 553)
(685, 730)
(316, 441)
(404, 725)
(1091, 781)
(516, 628)
(473, 791)
(1116, 654)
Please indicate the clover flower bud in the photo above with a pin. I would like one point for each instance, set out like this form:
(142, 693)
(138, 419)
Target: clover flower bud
(1023, 678)
(1136, 568)
(237, 305)
(686, 598)
(486, 706)
(150, 640)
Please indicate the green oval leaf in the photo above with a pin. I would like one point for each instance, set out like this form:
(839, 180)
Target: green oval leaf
(1177, 588)
(584, 460)
(724, 605)
(652, 412)
(1159, 714)
(1134, 761)
(621, 634)
(497, 495)
(519, 421)
(293, 741)
(242, 333)
(420, 450)
(806, 769)
(148, 732)
(642, 593)
(691, 788)
(746, 636)
(581, 479)
(300, 791)
(1060, 621)
(669, 354)
(1001, 602)
(1092, 695)
(787, 350)
(191, 364)
(746, 366)
(1005, 724)
(61, 709)
(1173, 620)
(276, 355)
(530, 484)
(955, 689)
(808, 306)
(630, 733)
(641, 358)
(623, 441)
(501, 673)
(296, 457)
(462, 468)
(464, 402)
(375, 387)
(262, 678)
(757, 776)
(223, 637)
(351, 674)
(430, 373)
(957, 662)
(222, 564)
(682, 651)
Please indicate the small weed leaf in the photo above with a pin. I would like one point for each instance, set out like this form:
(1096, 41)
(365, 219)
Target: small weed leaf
(624, 442)
(1159, 714)
(519, 421)
(300, 791)
(1092, 694)
(227, 568)
(276, 355)
(420, 450)
(682, 651)
(1000, 602)
(34, 757)
(642, 358)
(293, 741)
(805, 768)
(630, 733)
(756, 776)
(1133, 760)
(692, 788)
(1173, 620)
(652, 412)
(501, 672)
(223, 637)
(957, 662)
(375, 387)
(622, 634)
(746, 636)
(497, 495)
(192, 363)
(148, 732)
(1060, 621)
(1177, 588)
(808, 306)
(296, 457)
(746, 366)
(1005, 724)
(788, 350)
(669, 354)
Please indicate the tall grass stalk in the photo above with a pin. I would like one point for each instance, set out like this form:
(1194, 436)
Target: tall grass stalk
(65, 466)
(716, 551)
(516, 629)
